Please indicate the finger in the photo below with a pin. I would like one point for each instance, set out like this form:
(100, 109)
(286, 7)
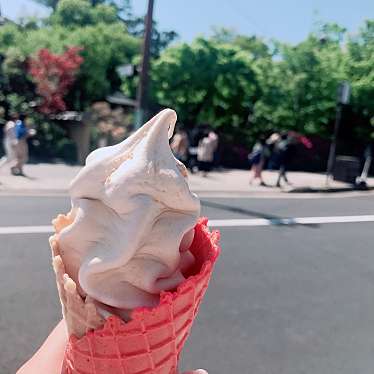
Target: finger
(198, 371)
(187, 240)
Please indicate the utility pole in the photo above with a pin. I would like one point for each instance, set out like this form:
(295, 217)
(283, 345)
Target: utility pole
(332, 152)
(142, 95)
(344, 91)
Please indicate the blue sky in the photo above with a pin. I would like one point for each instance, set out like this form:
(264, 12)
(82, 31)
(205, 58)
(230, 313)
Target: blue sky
(286, 20)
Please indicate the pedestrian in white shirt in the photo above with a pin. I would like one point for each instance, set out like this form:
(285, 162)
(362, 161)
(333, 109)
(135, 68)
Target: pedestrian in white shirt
(9, 142)
(205, 152)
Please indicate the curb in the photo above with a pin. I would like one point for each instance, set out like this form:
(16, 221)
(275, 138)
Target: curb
(299, 192)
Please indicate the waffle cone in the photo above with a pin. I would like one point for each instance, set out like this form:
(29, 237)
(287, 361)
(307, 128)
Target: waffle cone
(151, 342)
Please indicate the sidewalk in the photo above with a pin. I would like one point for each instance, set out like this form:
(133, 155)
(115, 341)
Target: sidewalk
(55, 178)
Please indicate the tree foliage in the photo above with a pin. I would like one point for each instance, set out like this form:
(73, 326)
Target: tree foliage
(207, 82)
(54, 3)
(242, 85)
(48, 3)
(360, 72)
(104, 40)
(80, 13)
(248, 87)
(54, 74)
(298, 87)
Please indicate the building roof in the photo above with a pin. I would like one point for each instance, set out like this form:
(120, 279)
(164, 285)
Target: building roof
(120, 99)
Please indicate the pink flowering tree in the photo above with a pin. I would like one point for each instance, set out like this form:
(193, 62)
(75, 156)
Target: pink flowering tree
(53, 75)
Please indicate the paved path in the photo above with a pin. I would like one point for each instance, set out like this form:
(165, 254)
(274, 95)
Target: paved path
(55, 179)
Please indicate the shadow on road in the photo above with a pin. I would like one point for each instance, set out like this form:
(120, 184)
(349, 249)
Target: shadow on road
(274, 220)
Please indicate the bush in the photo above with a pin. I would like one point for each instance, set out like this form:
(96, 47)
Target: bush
(51, 143)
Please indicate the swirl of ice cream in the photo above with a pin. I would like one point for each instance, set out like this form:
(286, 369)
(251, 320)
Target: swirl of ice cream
(132, 220)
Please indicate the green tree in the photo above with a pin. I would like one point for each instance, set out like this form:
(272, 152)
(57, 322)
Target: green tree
(105, 41)
(239, 84)
(299, 85)
(105, 48)
(80, 13)
(254, 45)
(207, 82)
(361, 75)
(72, 13)
(48, 3)
(53, 3)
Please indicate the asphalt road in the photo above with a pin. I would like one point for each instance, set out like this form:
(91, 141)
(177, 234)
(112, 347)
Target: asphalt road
(283, 300)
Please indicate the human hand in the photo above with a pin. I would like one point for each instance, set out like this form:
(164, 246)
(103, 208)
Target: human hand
(48, 359)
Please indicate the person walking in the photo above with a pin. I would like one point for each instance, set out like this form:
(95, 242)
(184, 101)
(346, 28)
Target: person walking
(283, 149)
(180, 144)
(9, 142)
(205, 152)
(21, 147)
(257, 159)
(271, 142)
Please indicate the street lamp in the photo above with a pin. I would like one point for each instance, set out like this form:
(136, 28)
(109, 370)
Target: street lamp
(344, 92)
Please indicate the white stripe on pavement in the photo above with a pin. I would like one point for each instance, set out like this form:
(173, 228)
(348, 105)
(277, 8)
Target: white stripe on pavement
(223, 223)
(289, 221)
(26, 229)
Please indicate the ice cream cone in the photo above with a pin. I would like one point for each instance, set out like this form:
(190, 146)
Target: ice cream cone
(151, 342)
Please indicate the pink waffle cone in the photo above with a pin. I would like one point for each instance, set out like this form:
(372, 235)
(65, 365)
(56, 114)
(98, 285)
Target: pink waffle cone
(153, 340)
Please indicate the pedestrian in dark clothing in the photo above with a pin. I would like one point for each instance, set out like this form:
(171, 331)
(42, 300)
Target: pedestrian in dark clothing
(284, 150)
(271, 142)
(257, 159)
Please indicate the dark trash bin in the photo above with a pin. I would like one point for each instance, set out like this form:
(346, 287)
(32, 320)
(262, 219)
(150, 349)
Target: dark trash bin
(346, 169)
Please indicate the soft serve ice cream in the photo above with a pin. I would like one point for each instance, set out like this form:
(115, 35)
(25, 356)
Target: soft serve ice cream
(132, 221)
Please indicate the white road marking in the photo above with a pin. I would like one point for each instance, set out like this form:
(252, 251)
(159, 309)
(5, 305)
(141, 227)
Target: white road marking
(221, 223)
(289, 221)
(26, 230)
